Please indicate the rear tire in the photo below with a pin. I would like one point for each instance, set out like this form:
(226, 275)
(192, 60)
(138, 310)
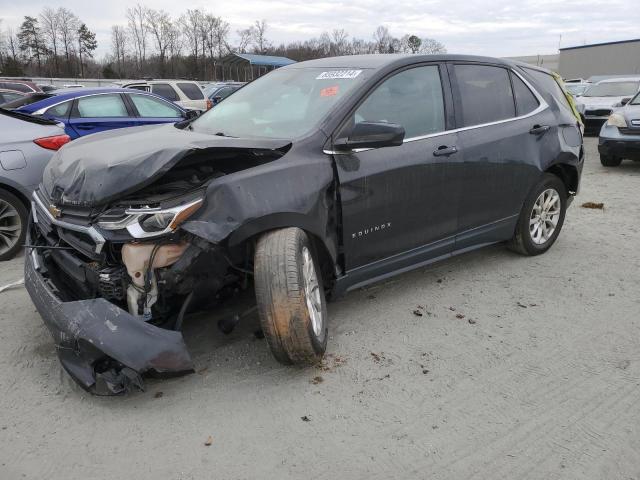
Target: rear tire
(14, 218)
(610, 161)
(290, 297)
(541, 218)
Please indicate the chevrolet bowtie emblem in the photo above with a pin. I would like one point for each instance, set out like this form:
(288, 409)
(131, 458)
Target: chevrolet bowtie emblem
(55, 211)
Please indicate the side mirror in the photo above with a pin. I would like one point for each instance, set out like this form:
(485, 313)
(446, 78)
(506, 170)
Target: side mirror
(372, 135)
(624, 101)
(217, 99)
(190, 114)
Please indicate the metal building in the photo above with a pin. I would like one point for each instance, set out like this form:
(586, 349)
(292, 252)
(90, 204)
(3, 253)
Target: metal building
(611, 58)
(244, 67)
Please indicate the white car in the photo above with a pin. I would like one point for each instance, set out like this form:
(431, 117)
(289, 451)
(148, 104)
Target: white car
(598, 101)
(185, 93)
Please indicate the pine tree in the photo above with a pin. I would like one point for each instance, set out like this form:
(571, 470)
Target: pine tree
(87, 43)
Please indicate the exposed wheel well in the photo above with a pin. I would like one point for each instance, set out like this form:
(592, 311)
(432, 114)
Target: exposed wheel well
(18, 194)
(568, 174)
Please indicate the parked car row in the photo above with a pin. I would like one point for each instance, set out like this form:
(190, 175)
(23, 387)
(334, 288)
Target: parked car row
(620, 135)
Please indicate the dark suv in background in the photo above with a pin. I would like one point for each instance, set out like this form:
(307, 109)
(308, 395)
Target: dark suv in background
(313, 180)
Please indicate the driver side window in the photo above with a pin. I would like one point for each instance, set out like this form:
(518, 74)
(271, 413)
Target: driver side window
(412, 98)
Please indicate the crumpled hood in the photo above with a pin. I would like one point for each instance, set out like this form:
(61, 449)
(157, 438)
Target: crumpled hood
(100, 168)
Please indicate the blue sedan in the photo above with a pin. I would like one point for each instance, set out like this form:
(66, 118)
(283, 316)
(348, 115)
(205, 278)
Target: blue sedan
(91, 110)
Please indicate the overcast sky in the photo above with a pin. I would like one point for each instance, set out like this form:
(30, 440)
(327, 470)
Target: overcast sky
(489, 27)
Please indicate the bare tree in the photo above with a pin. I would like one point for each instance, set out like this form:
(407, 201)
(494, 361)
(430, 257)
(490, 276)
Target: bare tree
(244, 39)
(137, 24)
(159, 24)
(339, 41)
(68, 25)
(119, 44)
(191, 26)
(50, 25)
(432, 46)
(259, 36)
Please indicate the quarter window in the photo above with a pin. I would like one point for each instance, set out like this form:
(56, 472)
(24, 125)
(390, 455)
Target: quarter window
(61, 110)
(165, 90)
(412, 98)
(485, 94)
(102, 106)
(192, 91)
(526, 101)
(550, 84)
(152, 107)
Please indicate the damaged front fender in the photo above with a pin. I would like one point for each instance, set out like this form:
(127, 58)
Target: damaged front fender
(104, 348)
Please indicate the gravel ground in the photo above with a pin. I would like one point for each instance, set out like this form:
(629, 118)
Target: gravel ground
(517, 368)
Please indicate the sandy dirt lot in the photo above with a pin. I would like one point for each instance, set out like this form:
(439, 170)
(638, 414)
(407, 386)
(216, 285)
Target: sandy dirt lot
(518, 368)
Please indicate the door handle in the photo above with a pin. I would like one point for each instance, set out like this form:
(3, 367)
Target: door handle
(539, 129)
(445, 151)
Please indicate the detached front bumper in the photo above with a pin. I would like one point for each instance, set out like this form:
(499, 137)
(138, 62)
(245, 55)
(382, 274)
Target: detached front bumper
(613, 143)
(102, 347)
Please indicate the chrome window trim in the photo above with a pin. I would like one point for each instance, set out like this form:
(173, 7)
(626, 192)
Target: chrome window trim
(46, 109)
(542, 105)
(91, 231)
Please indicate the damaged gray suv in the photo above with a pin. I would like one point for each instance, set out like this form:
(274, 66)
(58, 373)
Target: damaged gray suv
(313, 180)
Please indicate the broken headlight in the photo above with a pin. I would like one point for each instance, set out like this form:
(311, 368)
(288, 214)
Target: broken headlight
(150, 222)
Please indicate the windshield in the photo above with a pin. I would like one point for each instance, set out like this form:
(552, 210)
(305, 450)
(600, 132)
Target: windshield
(575, 89)
(286, 103)
(635, 100)
(613, 89)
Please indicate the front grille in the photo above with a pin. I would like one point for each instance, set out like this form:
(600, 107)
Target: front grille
(72, 226)
(601, 112)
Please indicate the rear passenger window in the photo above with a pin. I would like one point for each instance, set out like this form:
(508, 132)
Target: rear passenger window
(149, 107)
(192, 91)
(526, 101)
(61, 110)
(485, 94)
(412, 98)
(102, 106)
(165, 90)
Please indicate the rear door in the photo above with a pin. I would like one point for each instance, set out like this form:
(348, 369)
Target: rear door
(165, 90)
(97, 113)
(399, 200)
(500, 123)
(151, 110)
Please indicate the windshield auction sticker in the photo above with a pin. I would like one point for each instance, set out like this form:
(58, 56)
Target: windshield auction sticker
(348, 74)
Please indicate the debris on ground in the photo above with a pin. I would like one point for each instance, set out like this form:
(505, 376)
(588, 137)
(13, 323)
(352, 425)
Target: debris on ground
(317, 380)
(460, 316)
(593, 205)
(209, 441)
(376, 357)
(439, 280)
(522, 305)
(371, 297)
(259, 334)
(305, 418)
(471, 321)
(9, 286)
(331, 362)
(417, 313)
(453, 309)
(425, 371)
(158, 395)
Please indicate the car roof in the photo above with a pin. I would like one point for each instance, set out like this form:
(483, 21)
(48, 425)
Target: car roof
(378, 61)
(79, 92)
(151, 82)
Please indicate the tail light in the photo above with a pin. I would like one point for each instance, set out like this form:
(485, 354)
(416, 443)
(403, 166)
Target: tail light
(209, 103)
(53, 143)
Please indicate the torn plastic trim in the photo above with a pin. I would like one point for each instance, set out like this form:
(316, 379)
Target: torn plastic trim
(102, 347)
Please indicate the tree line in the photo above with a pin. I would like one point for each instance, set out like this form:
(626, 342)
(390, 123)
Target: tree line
(152, 43)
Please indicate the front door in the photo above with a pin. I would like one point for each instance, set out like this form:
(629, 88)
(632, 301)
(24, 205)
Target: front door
(396, 200)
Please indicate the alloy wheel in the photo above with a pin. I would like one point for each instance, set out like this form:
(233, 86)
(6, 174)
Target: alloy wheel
(544, 216)
(312, 292)
(10, 226)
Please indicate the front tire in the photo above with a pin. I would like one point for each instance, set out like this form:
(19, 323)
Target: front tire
(290, 296)
(610, 161)
(13, 225)
(541, 218)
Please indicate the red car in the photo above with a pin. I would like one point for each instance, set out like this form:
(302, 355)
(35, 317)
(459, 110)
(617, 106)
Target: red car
(24, 86)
